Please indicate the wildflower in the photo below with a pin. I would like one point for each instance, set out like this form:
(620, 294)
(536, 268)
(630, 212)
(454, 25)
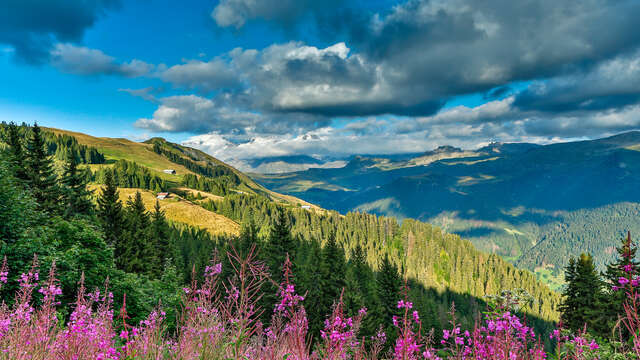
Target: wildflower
(623, 281)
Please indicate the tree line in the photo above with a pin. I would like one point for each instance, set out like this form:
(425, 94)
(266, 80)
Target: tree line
(59, 146)
(592, 300)
(370, 261)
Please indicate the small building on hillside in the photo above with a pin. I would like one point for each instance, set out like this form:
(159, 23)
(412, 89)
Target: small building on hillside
(169, 171)
(306, 207)
(162, 195)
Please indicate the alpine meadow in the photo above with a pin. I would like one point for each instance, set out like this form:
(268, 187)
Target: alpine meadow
(319, 180)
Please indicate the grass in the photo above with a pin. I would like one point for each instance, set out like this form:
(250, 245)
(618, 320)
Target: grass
(545, 274)
(180, 210)
(143, 154)
(206, 195)
(140, 153)
(305, 185)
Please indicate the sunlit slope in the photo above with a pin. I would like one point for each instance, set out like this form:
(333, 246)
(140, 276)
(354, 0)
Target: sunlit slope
(142, 153)
(182, 211)
(533, 205)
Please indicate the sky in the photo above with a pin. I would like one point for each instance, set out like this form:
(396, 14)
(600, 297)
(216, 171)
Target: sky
(246, 79)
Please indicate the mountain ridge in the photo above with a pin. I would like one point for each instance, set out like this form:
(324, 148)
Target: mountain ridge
(506, 198)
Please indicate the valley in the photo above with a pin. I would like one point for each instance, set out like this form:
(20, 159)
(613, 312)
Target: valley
(533, 205)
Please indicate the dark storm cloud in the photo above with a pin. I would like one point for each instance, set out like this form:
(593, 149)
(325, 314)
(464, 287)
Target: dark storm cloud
(32, 26)
(428, 51)
(610, 85)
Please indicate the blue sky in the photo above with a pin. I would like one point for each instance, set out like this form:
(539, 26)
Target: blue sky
(252, 78)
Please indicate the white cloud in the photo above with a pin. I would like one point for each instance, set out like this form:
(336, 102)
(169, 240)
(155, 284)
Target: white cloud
(81, 60)
(207, 76)
(191, 113)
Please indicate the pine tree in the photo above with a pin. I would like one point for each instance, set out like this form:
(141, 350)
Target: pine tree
(611, 304)
(333, 271)
(581, 293)
(41, 178)
(248, 234)
(389, 287)
(110, 211)
(76, 196)
(311, 284)
(16, 152)
(360, 283)
(280, 244)
(160, 238)
(135, 252)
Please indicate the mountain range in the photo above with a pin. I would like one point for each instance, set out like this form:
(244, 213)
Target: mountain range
(535, 205)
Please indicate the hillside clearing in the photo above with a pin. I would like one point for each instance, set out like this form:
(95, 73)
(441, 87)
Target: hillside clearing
(180, 210)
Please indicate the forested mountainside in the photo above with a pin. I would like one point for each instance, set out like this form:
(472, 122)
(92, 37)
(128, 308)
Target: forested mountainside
(150, 256)
(533, 205)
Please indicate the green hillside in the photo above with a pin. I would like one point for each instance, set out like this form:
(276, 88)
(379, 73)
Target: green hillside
(533, 205)
(152, 247)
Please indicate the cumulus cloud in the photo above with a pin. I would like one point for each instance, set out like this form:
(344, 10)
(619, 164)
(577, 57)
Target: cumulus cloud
(191, 113)
(297, 78)
(205, 76)
(319, 142)
(31, 27)
(197, 114)
(81, 60)
(423, 51)
(235, 13)
(612, 84)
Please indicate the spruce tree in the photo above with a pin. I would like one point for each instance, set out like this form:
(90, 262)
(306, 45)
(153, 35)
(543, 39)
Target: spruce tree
(76, 196)
(41, 178)
(611, 304)
(581, 293)
(333, 270)
(135, 252)
(110, 211)
(361, 286)
(160, 238)
(280, 244)
(389, 287)
(311, 285)
(248, 234)
(16, 153)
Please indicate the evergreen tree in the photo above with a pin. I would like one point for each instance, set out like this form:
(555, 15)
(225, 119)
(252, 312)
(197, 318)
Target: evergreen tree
(611, 304)
(248, 234)
(16, 154)
(280, 244)
(76, 195)
(135, 252)
(360, 285)
(333, 270)
(41, 178)
(110, 211)
(160, 238)
(581, 293)
(389, 287)
(311, 285)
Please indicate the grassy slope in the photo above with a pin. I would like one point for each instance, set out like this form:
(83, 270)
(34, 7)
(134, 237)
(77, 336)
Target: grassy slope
(143, 154)
(182, 211)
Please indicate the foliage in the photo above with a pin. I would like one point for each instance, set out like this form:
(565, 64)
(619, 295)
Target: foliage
(220, 320)
(128, 174)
